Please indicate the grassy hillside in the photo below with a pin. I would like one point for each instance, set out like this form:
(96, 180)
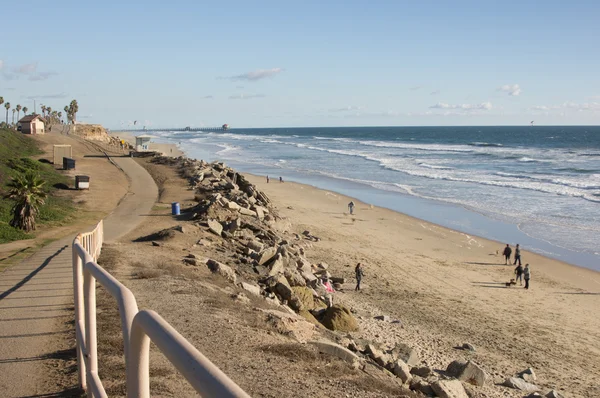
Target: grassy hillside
(15, 152)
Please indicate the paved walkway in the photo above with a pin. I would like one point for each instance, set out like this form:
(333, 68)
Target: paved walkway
(36, 296)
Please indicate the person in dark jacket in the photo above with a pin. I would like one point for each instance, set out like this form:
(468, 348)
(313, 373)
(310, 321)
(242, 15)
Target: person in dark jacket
(527, 275)
(517, 255)
(507, 252)
(519, 274)
(358, 271)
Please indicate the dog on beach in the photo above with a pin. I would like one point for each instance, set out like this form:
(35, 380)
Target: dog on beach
(512, 282)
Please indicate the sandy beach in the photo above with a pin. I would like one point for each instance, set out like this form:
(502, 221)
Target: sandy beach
(445, 288)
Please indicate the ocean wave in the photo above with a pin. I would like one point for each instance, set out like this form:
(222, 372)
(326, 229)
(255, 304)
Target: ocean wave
(526, 159)
(485, 144)
(576, 170)
(435, 167)
(227, 149)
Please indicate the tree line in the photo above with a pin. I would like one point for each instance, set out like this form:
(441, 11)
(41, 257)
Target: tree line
(49, 115)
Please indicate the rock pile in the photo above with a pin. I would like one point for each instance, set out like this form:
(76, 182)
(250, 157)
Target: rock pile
(266, 252)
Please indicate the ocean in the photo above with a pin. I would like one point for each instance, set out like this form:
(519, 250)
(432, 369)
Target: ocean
(534, 185)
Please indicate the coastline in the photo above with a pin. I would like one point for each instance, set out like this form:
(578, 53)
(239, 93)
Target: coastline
(554, 268)
(449, 215)
(441, 287)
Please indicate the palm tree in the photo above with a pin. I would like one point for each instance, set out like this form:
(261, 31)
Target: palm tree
(27, 192)
(25, 111)
(60, 117)
(44, 110)
(7, 106)
(1, 100)
(73, 109)
(13, 117)
(67, 113)
(18, 111)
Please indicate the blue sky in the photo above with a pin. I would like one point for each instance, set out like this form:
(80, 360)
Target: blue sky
(311, 63)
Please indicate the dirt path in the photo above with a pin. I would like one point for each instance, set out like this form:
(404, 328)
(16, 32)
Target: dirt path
(36, 296)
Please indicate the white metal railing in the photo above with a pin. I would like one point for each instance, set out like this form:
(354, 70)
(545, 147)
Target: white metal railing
(138, 327)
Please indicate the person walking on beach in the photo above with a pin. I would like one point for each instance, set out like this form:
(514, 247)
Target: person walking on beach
(267, 179)
(280, 179)
(351, 207)
(519, 273)
(527, 275)
(358, 271)
(517, 255)
(507, 252)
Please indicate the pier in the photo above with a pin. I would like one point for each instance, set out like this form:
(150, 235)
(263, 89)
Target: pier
(145, 130)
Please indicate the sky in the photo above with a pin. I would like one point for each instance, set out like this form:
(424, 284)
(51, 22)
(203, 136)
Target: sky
(309, 63)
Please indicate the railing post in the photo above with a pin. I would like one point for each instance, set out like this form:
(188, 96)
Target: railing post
(138, 374)
(79, 315)
(91, 342)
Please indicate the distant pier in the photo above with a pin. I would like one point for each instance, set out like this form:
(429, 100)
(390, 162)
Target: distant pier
(142, 131)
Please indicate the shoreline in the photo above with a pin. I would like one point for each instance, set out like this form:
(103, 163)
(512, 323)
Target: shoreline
(587, 275)
(498, 243)
(442, 287)
(447, 215)
(450, 216)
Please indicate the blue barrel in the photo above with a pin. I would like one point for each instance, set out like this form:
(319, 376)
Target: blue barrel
(175, 210)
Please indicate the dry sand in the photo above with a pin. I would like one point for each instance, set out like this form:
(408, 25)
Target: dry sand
(448, 288)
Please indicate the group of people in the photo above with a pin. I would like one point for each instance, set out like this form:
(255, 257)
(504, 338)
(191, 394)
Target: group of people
(520, 271)
(280, 179)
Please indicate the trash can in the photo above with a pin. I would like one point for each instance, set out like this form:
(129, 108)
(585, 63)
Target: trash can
(175, 210)
(82, 182)
(68, 163)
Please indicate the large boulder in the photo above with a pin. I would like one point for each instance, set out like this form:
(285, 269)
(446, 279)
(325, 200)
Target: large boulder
(449, 389)
(294, 277)
(233, 206)
(528, 375)
(406, 354)
(221, 269)
(468, 372)
(266, 255)
(339, 318)
(402, 370)
(215, 227)
(255, 245)
(254, 289)
(337, 351)
(520, 384)
(247, 212)
(277, 266)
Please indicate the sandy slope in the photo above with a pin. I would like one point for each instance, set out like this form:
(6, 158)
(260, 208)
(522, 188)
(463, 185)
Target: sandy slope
(448, 288)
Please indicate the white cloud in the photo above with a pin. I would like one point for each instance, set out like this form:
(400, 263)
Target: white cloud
(579, 107)
(415, 88)
(246, 96)
(48, 96)
(42, 76)
(26, 69)
(436, 92)
(257, 74)
(511, 89)
(350, 108)
(483, 106)
(208, 97)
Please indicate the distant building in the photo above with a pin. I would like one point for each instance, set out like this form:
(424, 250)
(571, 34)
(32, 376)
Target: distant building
(142, 143)
(31, 124)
